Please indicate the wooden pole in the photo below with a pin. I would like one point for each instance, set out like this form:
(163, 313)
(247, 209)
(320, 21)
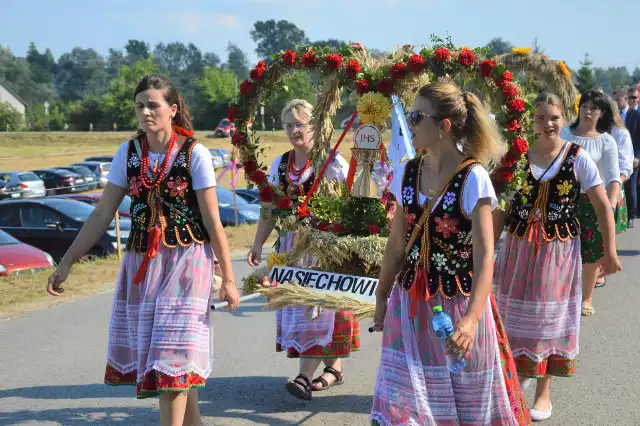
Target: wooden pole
(233, 186)
(118, 244)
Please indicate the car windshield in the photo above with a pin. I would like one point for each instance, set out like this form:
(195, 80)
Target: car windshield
(224, 122)
(74, 209)
(225, 198)
(106, 167)
(6, 239)
(28, 177)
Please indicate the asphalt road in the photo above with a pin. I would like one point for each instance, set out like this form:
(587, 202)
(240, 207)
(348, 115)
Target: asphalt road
(52, 364)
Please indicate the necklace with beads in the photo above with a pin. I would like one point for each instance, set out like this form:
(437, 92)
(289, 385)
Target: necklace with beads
(149, 182)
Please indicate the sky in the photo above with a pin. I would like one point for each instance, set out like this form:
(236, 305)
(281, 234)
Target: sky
(565, 29)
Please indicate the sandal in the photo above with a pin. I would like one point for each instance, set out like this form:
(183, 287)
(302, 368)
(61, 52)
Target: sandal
(601, 284)
(326, 385)
(588, 311)
(300, 387)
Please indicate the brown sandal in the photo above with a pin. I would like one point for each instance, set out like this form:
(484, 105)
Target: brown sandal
(326, 385)
(300, 387)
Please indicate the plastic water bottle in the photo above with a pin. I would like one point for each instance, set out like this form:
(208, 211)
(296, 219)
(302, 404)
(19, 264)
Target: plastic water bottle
(443, 327)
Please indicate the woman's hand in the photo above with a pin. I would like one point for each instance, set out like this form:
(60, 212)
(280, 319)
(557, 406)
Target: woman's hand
(57, 278)
(609, 264)
(381, 312)
(254, 257)
(229, 292)
(462, 340)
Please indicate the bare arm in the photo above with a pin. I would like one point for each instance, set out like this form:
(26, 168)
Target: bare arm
(613, 193)
(208, 203)
(393, 255)
(265, 228)
(97, 223)
(483, 248)
(499, 220)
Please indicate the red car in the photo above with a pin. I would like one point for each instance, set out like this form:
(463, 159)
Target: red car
(227, 128)
(16, 256)
(92, 198)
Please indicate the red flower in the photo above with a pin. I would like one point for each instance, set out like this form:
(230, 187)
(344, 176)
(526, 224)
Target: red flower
(442, 54)
(323, 227)
(334, 61)
(505, 175)
(516, 105)
(512, 125)
(238, 139)
(509, 91)
(362, 86)
(337, 228)
(178, 187)
(250, 166)
(416, 63)
(309, 59)
(374, 229)
(289, 57)
(509, 162)
(246, 87)
(296, 191)
(397, 71)
(505, 78)
(446, 225)
(486, 67)
(135, 185)
(284, 203)
(467, 58)
(519, 145)
(256, 74)
(266, 194)
(385, 86)
(260, 65)
(353, 68)
(258, 177)
(232, 113)
(303, 212)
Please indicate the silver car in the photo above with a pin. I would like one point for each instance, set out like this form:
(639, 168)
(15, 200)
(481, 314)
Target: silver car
(31, 184)
(99, 168)
(216, 159)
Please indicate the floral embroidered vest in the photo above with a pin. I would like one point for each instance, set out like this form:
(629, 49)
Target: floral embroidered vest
(552, 202)
(442, 255)
(285, 185)
(173, 204)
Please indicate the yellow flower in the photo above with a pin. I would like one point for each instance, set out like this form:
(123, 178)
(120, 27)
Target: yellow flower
(576, 104)
(564, 188)
(526, 188)
(464, 48)
(276, 259)
(374, 108)
(563, 69)
(521, 50)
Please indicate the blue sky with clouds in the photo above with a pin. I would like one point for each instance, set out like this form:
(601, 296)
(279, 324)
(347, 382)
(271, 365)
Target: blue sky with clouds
(566, 29)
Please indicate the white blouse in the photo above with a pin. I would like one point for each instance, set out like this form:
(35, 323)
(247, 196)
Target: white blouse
(625, 150)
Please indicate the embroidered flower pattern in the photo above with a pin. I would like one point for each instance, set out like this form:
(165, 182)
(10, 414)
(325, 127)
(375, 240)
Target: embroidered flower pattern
(564, 188)
(407, 194)
(414, 254)
(135, 185)
(526, 188)
(411, 218)
(446, 226)
(449, 199)
(464, 237)
(134, 161)
(178, 187)
(438, 260)
(181, 160)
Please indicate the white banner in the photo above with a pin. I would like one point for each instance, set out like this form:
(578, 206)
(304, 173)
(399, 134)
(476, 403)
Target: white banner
(361, 288)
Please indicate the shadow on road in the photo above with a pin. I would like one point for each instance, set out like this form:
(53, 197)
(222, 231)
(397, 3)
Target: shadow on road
(259, 400)
(629, 253)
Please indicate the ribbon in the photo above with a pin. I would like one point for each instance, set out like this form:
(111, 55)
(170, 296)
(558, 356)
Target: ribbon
(153, 241)
(181, 131)
(233, 165)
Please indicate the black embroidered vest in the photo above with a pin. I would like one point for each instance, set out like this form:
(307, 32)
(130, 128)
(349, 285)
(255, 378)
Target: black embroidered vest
(444, 251)
(555, 199)
(285, 185)
(173, 204)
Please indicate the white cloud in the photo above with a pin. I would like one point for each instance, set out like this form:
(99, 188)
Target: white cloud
(194, 22)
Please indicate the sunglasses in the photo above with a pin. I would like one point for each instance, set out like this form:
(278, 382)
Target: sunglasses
(414, 117)
(633, 98)
(298, 126)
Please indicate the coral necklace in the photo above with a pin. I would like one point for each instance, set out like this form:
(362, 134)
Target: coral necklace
(148, 182)
(295, 173)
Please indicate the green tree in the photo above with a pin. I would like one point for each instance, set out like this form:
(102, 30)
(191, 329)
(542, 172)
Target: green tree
(296, 85)
(498, 46)
(10, 118)
(237, 62)
(635, 76)
(332, 43)
(272, 37)
(136, 50)
(82, 72)
(215, 89)
(586, 79)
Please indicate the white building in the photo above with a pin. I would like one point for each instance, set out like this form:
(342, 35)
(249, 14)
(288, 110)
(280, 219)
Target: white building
(8, 95)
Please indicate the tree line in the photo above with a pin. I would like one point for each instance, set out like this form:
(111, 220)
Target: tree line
(84, 88)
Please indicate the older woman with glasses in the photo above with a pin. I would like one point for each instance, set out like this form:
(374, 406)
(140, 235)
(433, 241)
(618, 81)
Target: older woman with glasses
(328, 336)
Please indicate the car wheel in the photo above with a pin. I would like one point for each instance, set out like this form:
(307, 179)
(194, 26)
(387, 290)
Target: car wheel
(93, 255)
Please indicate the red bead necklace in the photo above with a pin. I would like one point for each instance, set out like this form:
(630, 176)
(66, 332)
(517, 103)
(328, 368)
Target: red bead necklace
(293, 171)
(145, 163)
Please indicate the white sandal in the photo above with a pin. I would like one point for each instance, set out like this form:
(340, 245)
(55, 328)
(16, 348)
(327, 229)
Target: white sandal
(540, 416)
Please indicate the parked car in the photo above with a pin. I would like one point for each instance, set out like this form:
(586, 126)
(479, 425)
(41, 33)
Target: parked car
(225, 129)
(90, 179)
(247, 213)
(226, 155)
(58, 181)
(251, 196)
(354, 125)
(17, 257)
(93, 198)
(99, 168)
(52, 224)
(216, 159)
(31, 184)
(101, 158)
(8, 190)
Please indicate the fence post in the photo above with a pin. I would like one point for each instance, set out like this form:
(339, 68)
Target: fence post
(118, 244)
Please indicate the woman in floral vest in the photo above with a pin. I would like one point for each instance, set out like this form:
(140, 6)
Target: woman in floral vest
(538, 273)
(448, 262)
(159, 337)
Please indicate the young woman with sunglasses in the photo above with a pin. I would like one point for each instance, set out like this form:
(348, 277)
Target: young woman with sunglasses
(590, 132)
(329, 336)
(447, 262)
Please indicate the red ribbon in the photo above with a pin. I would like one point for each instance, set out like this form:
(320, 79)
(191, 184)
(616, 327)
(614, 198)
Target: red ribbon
(153, 242)
(181, 131)
(353, 165)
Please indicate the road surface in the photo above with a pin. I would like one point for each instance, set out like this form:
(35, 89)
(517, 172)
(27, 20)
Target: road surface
(52, 364)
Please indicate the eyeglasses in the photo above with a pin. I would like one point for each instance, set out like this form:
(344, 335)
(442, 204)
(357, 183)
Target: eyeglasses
(633, 98)
(415, 116)
(298, 126)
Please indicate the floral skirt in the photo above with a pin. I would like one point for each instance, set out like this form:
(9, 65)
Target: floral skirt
(592, 244)
(159, 336)
(539, 292)
(345, 339)
(622, 215)
(414, 386)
